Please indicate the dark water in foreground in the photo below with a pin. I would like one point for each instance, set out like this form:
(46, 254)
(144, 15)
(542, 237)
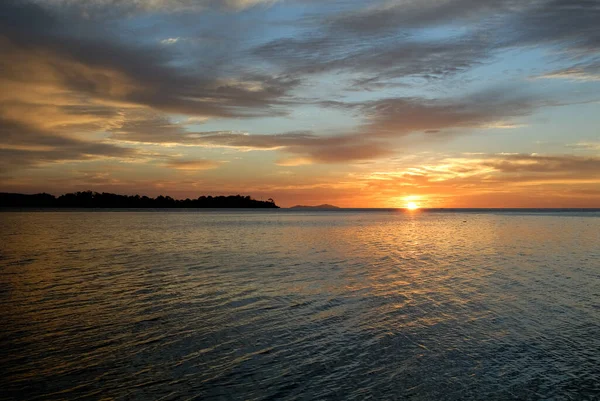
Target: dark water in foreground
(299, 305)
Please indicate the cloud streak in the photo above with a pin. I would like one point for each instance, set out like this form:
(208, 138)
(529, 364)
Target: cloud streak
(385, 122)
(154, 6)
(193, 165)
(401, 116)
(394, 42)
(23, 146)
(310, 148)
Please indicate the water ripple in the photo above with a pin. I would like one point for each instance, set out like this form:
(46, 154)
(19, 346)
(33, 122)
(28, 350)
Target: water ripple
(291, 306)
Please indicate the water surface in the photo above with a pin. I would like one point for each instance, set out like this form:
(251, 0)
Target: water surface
(291, 305)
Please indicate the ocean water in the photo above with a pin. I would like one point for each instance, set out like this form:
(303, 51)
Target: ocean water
(299, 305)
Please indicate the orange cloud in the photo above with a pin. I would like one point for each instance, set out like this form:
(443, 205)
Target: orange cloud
(193, 165)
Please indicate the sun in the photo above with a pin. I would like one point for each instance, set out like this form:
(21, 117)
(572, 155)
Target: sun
(412, 206)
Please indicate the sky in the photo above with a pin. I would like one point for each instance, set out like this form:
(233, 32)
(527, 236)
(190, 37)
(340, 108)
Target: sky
(444, 103)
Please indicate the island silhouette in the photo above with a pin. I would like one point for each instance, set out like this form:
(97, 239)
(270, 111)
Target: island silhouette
(323, 206)
(89, 199)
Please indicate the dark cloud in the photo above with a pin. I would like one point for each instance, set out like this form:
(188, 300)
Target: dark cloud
(570, 24)
(116, 8)
(382, 59)
(394, 117)
(514, 22)
(393, 50)
(65, 76)
(86, 58)
(385, 41)
(563, 165)
(193, 165)
(308, 147)
(385, 121)
(417, 14)
(305, 146)
(24, 146)
(153, 128)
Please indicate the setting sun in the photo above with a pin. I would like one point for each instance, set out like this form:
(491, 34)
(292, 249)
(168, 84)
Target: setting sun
(412, 206)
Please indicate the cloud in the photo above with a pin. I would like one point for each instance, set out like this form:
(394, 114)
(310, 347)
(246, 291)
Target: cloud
(193, 165)
(65, 80)
(397, 117)
(24, 146)
(485, 180)
(585, 145)
(572, 25)
(561, 165)
(170, 41)
(385, 121)
(494, 170)
(417, 14)
(588, 71)
(572, 74)
(389, 51)
(391, 58)
(78, 57)
(392, 40)
(151, 6)
(566, 22)
(243, 4)
(305, 145)
(114, 80)
(294, 161)
(151, 128)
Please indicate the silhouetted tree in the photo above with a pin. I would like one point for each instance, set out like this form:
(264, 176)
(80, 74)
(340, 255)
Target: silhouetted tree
(89, 199)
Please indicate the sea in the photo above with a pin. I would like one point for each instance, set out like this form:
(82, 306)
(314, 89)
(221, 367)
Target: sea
(299, 305)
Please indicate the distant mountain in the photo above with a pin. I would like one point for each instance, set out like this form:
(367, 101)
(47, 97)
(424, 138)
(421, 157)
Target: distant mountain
(323, 206)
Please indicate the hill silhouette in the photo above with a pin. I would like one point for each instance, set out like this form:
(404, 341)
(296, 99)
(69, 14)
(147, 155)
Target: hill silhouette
(89, 199)
(323, 206)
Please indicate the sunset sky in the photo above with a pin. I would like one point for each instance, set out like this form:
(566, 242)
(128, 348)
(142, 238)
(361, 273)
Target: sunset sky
(446, 103)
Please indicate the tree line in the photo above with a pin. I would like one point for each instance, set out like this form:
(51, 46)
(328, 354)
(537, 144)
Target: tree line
(89, 199)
